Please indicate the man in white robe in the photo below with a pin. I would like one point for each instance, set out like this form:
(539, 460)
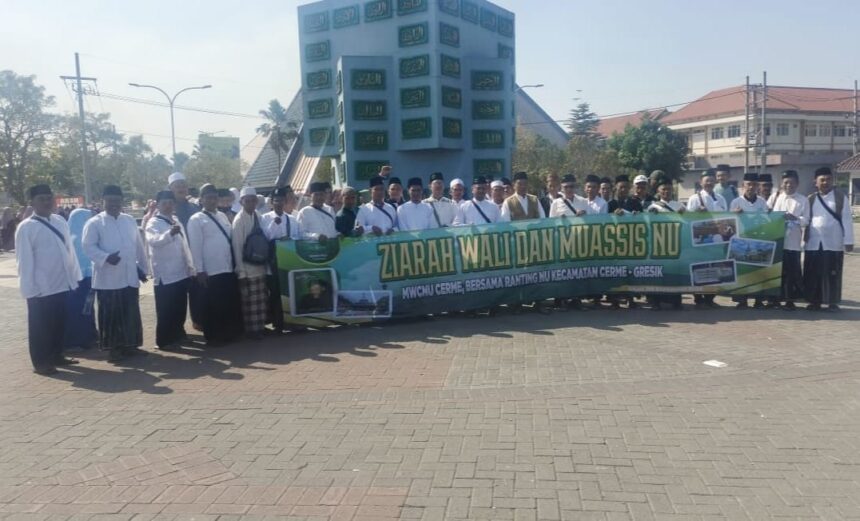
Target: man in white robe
(415, 214)
(377, 217)
(477, 210)
(444, 209)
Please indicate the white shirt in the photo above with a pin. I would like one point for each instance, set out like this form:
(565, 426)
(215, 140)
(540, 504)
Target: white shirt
(277, 231)
(795, 204)
(415, 216)
(315, 222)
(661, 206)
(469, 214)
(760, 205)
(370, 215)
(702, 200)
(169, 255)
(824, 230)
(459, 203)
(594, 206)
(210, 248)
(46, 265)
(445, 208)
(104, 235)
(505, 215)
(559, 208)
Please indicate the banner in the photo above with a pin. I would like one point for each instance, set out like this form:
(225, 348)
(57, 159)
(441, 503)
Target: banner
(476, 267)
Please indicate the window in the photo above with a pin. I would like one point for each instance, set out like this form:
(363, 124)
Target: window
(824, 130)
(782, 129)
(734, 131)
(810, 130)
(717, 133)
(850, 131)
(839, 131)
(767, 130)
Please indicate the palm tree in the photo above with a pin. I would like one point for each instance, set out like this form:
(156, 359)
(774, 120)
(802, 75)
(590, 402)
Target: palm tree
(280, 126)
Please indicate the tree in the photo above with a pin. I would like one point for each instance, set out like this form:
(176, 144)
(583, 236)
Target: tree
(587, 156)
(583, 122)
(212, 167)
(651, 146)
(537, 155)
(24, 126)
(280, 126)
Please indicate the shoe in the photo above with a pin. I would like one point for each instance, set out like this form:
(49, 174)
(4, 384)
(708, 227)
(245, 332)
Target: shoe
(758, 304)
(713, 305)
(65, 361)
(172, 348)
(631, 304)
(832, 307)
(742, 305)
(813, 307)
(45, 371)
(789, 306)
(134, 351)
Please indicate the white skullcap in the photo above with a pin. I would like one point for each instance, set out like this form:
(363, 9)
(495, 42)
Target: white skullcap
(234, 190)
(497, 184)
(175, 176)
(640, 179)
(456, 182)
(248, 190)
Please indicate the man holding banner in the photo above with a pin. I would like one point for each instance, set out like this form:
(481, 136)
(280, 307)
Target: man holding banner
(477, 210)
(416, 214)
(316, 221)
(444, 210)
(377, 216)
(521, 205)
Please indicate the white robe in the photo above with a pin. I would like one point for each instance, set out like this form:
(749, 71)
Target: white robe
(760, 205)
(560, 208)
(315, 222)
(661, 206)
(104, 235)
(445, 208)
(702, 200)
(468, 213)
(46, 265)
(824, 230)
(796, 205)
(412, 217)
(369, 215)
(210, 248)
(277, 231)
(169, 255)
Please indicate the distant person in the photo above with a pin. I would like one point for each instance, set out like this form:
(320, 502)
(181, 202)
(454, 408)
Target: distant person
(521, 205)
(724, 187)
(749, 202)
(552, 191)
(48, 271)
(477, 210)
(605, 190)
(8, 224)
(622, 195)
(377, 217)
(706, 199)
(225, 203)
(113, 242)
(178, 184)
(458, 190)
(279, 226)
(497, 193)
(316, 221)
(395, 192)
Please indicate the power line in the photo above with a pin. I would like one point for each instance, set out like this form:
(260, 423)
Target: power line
(180, 107)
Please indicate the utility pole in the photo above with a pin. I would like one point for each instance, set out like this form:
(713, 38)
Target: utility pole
(747, 128)
(763, 123)
(856, 126)
(77, 86)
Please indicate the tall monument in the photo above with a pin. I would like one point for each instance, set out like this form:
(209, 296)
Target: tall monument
(422, 85)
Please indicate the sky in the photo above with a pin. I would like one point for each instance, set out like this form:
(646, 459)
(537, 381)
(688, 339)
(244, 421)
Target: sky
(620, 56)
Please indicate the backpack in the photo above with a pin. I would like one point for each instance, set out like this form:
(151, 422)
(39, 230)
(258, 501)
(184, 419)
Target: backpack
(256, 249)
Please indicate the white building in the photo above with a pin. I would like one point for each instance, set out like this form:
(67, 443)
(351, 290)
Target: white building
(806, 128)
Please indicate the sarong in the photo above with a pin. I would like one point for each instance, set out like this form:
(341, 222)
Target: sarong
(171, 304)
(254, 300)
(823, 276)
(222, 314)
(119, 318)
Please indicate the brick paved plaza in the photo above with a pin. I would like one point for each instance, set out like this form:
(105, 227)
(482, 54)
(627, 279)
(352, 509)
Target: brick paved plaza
(574, 415)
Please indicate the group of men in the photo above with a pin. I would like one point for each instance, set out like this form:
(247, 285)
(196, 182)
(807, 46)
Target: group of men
(216, 259)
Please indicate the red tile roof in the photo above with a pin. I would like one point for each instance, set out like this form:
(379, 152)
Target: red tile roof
(610, 126)
(852, 163)
(730, 101)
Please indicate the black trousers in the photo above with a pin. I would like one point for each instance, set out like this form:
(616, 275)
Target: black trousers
(700, 298)
(171, 303)
(822, 277)
(46, 326)
(792, 276)
(221, 306)
(195, 302)
(276, 310)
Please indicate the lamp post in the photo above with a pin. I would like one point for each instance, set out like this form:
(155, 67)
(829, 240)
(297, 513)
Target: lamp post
(170, 101)
(534, 86)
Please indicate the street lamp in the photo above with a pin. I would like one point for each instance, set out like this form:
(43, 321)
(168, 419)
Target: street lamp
(170, 101)
(534, 86)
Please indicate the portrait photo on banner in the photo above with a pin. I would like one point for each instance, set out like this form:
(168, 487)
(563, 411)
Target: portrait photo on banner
(709, 232)
(312, 292)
